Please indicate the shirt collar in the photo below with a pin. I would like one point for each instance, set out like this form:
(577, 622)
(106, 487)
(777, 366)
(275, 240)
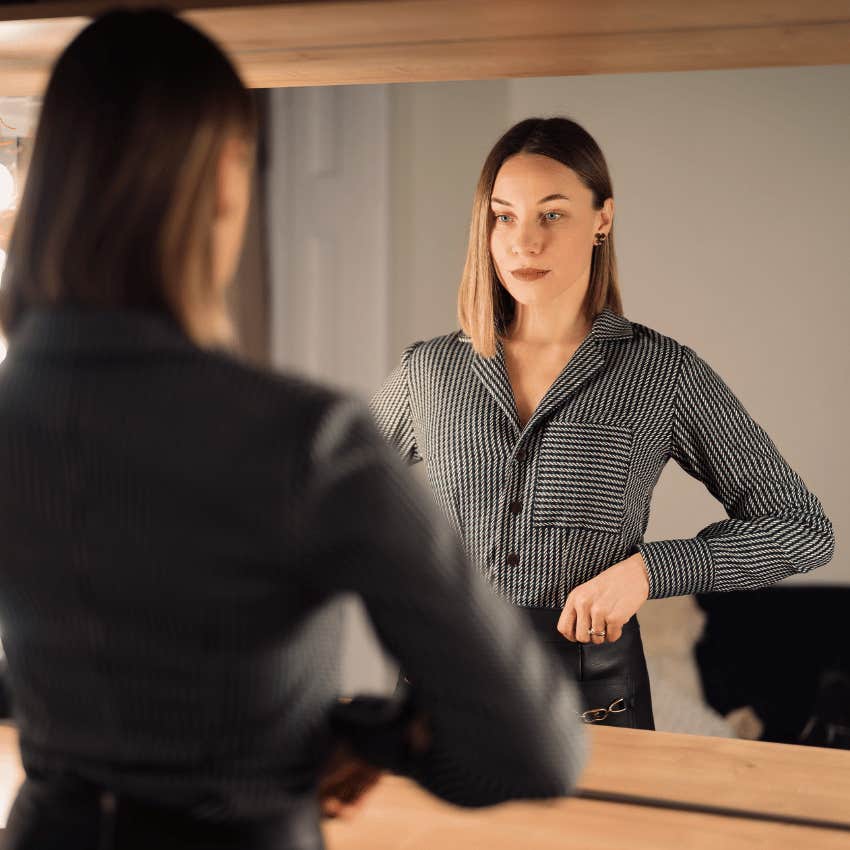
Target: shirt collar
(607, 325)
(587, 360)
(80, 330)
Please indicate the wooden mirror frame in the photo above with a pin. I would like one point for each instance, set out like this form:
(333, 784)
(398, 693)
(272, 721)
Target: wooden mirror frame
(327, 42)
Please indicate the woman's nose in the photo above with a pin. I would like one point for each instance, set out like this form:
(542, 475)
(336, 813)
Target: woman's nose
(528, 240)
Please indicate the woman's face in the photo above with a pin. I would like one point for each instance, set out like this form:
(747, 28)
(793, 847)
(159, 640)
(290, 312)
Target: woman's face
(543, 230)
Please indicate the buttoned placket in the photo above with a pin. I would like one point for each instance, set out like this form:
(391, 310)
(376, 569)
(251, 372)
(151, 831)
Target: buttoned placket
(585, 362)
(582, 366)
(514, 490)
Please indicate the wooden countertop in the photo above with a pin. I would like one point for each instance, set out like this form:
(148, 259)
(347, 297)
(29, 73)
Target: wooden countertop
(777, 779)
(399, 816)
(752, 777)
(765, 783)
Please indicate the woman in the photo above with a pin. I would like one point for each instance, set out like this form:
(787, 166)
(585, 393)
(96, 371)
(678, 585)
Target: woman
(546, 421)
(176, 528)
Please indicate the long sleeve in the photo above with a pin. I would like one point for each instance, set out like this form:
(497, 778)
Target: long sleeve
(391, 409)
(776, 527)
(502, 715)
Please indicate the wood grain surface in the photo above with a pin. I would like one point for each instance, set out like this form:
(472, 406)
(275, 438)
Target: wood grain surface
(328, 42)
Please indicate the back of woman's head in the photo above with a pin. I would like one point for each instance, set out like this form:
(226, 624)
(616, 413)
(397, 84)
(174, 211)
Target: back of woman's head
(120, 197)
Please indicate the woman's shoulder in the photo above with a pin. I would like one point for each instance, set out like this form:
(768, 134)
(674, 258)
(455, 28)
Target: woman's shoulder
(661, 352)
(263, 393)
(653, 342)
(448, 348)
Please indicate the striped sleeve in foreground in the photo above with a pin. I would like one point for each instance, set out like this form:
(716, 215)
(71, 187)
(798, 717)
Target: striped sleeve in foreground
(776, 527)
(391, 408)
(502, 715)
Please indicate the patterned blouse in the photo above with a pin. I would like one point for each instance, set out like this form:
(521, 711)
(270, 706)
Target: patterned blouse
(546, 507)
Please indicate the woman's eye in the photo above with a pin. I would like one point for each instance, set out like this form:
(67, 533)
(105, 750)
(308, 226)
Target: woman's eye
(552, 216)
(503, 218)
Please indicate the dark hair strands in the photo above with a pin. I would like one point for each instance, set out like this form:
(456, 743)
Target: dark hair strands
(118, 206)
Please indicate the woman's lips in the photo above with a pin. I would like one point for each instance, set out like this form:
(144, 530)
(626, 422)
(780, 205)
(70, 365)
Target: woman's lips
(529, 274)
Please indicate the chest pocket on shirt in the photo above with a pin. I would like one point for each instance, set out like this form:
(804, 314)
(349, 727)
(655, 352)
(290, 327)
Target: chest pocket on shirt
(582, 471)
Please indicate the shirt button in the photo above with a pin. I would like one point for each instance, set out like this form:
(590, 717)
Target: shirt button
(513, 560)
(520, 455)
(515, 507)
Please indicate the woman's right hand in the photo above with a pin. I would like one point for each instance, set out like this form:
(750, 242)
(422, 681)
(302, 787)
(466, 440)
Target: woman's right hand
(346, 781)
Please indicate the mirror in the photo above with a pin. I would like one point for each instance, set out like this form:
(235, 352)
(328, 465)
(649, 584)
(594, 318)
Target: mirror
(725, 241)
(730, 224)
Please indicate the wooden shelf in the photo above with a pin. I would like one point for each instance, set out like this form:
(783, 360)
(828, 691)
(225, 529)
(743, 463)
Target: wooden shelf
(774, 781)
(771, 781)
(381, 41)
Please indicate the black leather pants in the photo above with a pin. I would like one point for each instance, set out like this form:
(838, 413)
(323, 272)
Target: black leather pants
(605, 672)
(67, 814)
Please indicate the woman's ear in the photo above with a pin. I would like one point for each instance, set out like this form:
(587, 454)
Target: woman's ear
(232, 198)
(605, 216)
(231, 176)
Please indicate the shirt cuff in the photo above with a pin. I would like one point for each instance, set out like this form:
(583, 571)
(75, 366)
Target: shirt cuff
(376, 728)
(678, 567)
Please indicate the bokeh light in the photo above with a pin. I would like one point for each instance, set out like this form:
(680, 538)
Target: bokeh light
(7, 188)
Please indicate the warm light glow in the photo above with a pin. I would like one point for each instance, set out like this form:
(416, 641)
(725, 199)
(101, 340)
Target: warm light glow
(7, 188)
(2, 349)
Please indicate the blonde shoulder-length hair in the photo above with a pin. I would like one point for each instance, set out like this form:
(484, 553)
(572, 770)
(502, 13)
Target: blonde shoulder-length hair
(485, 308)
(120, 197)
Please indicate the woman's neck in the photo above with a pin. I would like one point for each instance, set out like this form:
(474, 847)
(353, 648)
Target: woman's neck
(544, 326)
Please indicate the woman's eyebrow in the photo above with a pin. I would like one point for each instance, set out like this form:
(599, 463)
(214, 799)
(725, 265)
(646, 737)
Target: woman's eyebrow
(555, 197)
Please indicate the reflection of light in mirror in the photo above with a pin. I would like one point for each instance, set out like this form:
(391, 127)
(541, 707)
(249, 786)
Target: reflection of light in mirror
(2, 349)
(7, 188)
(2, 264)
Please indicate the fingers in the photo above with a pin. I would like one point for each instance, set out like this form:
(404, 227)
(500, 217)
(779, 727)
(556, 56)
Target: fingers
(333, 807)
(593, 606)
(574, 622)
(346, 780)
(599, 627)
(345, 798)
(567, 621)
(581, 614)
(582, 624)
(615, 631)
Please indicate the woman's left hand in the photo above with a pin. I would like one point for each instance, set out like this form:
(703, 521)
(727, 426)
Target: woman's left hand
(605, 602)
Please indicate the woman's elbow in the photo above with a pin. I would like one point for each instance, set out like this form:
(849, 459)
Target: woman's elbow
(816, 548)
(554, 772)
(537, 773)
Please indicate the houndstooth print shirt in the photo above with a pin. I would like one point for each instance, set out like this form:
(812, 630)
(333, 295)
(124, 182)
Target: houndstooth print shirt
(547, 507)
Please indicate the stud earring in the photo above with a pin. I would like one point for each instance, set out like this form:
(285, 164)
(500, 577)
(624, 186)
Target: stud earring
(600, 238)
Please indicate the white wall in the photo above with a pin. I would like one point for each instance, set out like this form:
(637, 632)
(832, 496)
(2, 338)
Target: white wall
(440, 134)
(328, 237)
(731, 220)
(731, 191)
(329, 210)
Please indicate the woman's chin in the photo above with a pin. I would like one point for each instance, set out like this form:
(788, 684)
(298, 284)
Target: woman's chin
(538, 294)
(528, 296)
